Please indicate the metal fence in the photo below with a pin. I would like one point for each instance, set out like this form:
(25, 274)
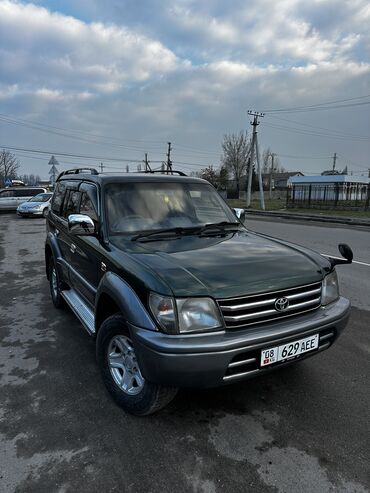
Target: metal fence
(340, 195)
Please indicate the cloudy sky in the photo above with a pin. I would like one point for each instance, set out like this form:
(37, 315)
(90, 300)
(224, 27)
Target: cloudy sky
(115, 79)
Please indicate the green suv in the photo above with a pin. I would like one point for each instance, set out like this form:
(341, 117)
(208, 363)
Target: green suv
(177, 291)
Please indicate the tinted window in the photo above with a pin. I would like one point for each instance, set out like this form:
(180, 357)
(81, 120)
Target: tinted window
(6, 193)
(72, 203)
(58, 197)
(148, 206)
(27, 192)
(88, 201)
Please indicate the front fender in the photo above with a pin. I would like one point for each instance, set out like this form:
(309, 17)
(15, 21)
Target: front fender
(51, 244)
(126, 299)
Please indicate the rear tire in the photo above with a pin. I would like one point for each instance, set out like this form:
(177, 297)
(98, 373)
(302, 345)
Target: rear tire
(54, 283)
(121, 373)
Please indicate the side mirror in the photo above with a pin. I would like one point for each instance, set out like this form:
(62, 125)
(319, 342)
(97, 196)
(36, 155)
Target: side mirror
(240, 213)
(346, 251)
(81, 225)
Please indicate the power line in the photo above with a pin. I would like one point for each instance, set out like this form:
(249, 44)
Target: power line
(65, 154)
(91, 137)
(83, 156)
(311, 133)
(36, 125)
(302, 157)
(319, 106)
(329, 131)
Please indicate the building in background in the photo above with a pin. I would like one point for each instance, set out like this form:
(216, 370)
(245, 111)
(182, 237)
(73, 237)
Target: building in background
(279, 180)
(345, 191)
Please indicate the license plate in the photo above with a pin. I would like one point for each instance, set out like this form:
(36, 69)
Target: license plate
(290, 350)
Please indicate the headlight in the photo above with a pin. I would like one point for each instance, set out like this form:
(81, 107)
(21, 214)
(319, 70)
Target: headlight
(330, 288)
(193, 314)
(198, 314)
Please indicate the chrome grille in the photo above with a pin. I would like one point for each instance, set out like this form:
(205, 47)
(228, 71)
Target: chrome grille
(254, 309)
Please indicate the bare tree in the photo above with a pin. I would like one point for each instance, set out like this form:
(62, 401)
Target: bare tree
(266, 162)
(236, 150)
(9, 166)
(210, 174)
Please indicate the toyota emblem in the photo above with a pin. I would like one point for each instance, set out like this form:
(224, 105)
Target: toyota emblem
(281, 304)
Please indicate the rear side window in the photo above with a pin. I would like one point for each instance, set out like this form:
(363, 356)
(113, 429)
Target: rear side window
(58, 198)
(72, 203)
(27, 192)
(6, 194)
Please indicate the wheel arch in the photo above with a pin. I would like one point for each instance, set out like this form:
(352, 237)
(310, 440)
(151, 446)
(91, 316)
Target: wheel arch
(51, 249)
(116, 295)
(48, 255)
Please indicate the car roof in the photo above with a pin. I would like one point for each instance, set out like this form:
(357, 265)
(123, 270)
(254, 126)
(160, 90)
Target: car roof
(103, 179)
(42, 189)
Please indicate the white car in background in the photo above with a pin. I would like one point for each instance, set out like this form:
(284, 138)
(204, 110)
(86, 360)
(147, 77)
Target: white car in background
(12, 197)
(35, 206)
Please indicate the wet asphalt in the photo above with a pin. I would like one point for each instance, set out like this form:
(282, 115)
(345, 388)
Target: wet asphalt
(302, 429)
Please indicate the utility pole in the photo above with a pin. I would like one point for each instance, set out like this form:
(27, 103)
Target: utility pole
(271, 172)
(101, 167)
(334, 160)
(146, 162)
(169, 162)
(255, 153)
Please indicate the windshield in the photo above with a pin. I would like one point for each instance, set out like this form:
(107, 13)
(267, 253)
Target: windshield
(134, 207)
(41, 197)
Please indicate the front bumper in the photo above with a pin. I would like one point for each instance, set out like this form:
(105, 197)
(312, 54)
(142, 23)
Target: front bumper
(218, 358)
(29, 213)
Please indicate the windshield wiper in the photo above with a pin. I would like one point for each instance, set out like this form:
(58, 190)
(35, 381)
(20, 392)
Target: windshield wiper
(223, 227)
(180, 231)
(162, 232)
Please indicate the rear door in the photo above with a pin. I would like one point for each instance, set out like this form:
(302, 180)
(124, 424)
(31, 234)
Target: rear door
(62, 205)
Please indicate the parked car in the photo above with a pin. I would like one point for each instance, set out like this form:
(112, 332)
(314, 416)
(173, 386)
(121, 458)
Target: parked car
(177, 291)
(12, 197)
(35, 206)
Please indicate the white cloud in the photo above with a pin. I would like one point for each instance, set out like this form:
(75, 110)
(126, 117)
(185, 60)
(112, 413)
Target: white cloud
(191, 79)
(61, 51)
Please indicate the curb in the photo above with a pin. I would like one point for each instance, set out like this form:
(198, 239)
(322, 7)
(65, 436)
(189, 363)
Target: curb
(309, 217)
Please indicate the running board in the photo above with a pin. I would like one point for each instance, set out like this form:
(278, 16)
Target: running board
(80, 308)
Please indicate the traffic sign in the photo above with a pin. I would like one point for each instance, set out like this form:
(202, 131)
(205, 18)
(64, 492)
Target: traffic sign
(8, 182)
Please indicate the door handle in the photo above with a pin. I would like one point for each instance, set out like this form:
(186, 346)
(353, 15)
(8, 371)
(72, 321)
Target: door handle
(73, 248)
(57, 232)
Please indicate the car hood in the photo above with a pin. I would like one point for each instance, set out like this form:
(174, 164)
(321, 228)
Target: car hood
(239, 264)
(31, 205)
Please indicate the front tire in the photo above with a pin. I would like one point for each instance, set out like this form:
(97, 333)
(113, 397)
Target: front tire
(54, 283)
(121, 372)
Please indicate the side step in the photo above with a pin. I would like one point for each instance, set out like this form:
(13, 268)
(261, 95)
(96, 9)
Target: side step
(79, 307)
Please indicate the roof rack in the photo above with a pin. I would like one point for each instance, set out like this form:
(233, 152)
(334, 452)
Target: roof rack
(164, 172)
(76, 171)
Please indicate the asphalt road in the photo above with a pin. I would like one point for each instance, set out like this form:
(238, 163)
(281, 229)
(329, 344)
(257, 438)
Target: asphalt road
(302, 429)
(324, 238)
